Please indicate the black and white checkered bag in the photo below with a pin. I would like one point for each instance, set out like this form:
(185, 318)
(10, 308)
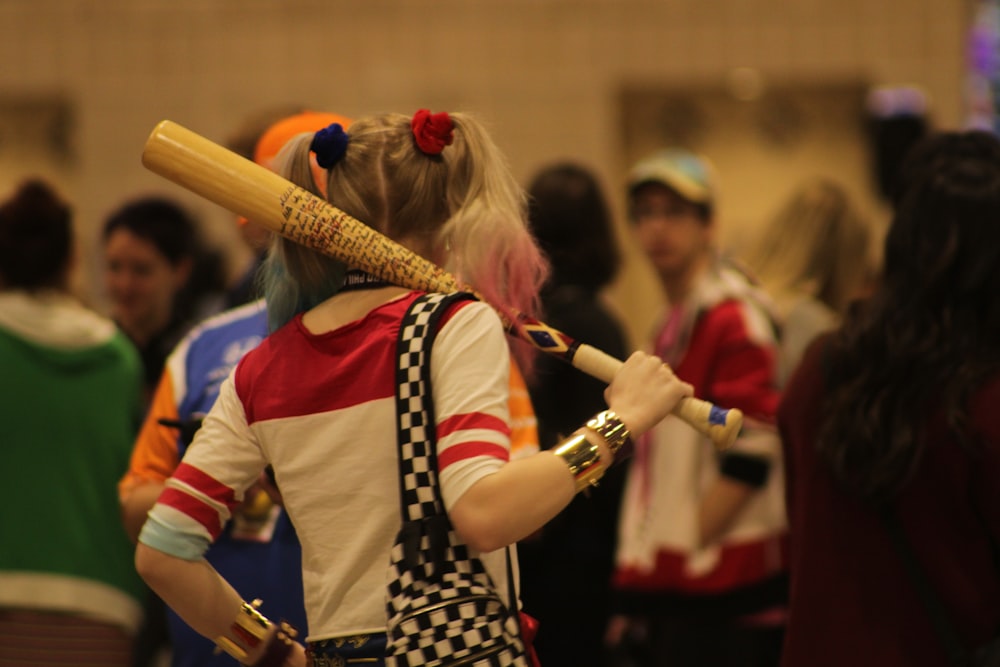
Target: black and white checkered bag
(443, 608)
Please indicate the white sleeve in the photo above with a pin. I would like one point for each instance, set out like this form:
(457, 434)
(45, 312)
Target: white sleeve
(470, 367)
(223, 461)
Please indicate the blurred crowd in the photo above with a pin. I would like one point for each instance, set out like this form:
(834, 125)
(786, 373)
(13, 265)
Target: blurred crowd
(852, 521)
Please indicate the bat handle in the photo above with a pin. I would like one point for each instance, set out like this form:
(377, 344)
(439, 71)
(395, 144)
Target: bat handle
(722, 426)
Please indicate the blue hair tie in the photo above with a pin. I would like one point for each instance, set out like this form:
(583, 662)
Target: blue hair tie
(329, 145)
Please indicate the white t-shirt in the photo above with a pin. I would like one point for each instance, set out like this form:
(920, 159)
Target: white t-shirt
(320, 409)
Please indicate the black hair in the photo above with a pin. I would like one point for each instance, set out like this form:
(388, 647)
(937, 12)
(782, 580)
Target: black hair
(928, 336)
(175, 234)
(36, 238)
(569, 217)
(702, 210)
(161, 222)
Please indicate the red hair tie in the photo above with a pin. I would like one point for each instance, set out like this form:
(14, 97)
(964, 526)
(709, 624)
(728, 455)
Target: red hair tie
(432, 131)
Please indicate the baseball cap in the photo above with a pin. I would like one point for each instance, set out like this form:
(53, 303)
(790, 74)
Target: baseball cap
(689, 175)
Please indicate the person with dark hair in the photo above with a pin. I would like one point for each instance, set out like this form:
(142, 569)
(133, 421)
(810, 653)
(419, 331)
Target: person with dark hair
(157, 275)
(569, 217)
(70, 406)
(891, 436)
(897, 119)
(700, 572)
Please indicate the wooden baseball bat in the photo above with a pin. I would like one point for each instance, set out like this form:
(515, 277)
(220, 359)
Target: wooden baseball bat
(250, 190)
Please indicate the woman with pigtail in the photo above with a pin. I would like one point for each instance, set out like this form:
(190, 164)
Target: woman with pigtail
(318, 401)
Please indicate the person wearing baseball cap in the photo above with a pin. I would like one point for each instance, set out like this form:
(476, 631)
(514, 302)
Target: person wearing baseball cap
(702, 536)
(671, 203)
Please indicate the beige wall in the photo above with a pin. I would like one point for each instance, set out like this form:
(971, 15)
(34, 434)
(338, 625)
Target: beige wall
(547, 74)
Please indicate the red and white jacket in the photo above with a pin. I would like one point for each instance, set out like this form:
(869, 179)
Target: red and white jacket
(722, 341)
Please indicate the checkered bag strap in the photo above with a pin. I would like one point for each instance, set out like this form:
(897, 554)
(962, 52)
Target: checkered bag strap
(438, 595)
(419, 492)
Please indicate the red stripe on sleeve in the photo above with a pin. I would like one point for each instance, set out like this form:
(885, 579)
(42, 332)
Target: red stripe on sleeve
(468, 450)
(204, 514)
(206, 484)
(471, 420)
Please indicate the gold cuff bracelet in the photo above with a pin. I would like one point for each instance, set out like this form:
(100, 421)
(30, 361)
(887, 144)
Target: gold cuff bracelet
(247, 631)
(584, 460)
(614, 431)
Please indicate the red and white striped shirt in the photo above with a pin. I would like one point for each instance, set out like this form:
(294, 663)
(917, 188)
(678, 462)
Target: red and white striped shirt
(321, 410)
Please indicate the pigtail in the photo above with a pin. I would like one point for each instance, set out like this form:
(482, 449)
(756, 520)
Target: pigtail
(295, 278)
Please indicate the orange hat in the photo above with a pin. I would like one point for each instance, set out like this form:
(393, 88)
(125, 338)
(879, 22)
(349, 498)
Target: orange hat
(275, 137)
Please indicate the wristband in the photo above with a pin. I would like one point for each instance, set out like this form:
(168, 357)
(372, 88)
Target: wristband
(245, 634)
(248, 630)
(614, 431)
(584, 460)
(746, 468)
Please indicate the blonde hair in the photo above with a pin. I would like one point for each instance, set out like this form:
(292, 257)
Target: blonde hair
(818, 244)
(464, 201)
